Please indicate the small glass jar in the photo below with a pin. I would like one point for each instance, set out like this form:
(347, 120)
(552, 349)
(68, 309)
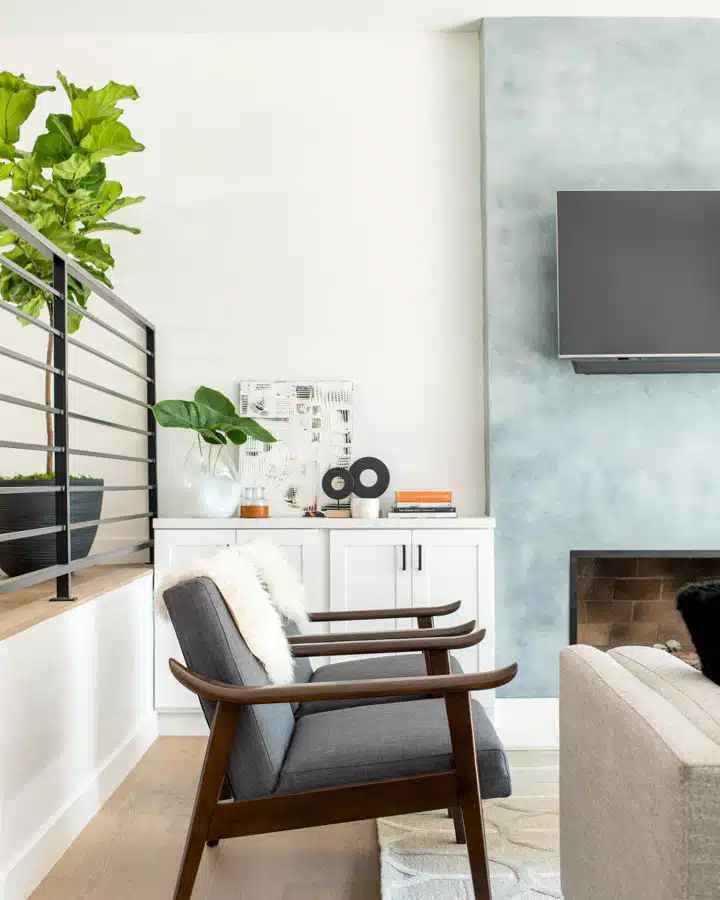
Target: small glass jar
(254, 505)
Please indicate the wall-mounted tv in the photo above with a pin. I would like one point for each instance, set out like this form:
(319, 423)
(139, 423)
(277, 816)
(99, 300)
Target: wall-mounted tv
(639, 280)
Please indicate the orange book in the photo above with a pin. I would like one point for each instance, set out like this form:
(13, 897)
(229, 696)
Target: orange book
(423, 496)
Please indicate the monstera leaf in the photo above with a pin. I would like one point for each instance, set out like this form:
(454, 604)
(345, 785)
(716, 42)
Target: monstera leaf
(212, 415)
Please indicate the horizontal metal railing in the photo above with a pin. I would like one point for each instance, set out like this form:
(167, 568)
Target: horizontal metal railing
(64, 267)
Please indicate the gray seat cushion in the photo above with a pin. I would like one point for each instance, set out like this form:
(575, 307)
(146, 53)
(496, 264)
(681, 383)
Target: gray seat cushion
(401, 665)
(365, 743)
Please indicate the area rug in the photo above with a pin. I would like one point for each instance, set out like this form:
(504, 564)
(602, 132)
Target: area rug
(421, 861)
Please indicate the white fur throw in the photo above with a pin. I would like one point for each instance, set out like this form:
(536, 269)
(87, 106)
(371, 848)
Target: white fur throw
(259, 588)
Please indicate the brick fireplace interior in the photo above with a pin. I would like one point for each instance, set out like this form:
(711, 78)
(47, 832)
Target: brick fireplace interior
(620, 600)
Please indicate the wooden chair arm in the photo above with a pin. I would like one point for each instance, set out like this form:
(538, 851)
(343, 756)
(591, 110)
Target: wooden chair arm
(207, 689)
(407, 612)
(452, 631)
(394, 645)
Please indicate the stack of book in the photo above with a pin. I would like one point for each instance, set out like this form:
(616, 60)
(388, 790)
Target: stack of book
(423, 505)
(336, 510)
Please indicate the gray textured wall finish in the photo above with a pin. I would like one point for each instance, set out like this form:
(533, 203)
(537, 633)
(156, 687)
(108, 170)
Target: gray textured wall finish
(586, 462)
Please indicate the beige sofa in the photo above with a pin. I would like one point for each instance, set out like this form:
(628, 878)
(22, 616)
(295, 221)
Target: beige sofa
(639, 777)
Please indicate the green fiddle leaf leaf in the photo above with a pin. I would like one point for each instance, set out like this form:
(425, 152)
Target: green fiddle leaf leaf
(7, 151)
(109, 139)
(79, 295)
(26, 174)
(62, 125)
(51, 149)
(70, 89)
(113, 92)
(88, 111)
(111, 226)
(122, 203)
(58, 143)
(215, 400)
(93, 181)
(253, 430)
(73, 169)
(35, 305)
(92, 250)
(6, 170)
(17, 101)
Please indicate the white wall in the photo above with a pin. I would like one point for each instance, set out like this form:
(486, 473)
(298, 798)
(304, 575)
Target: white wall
(314, 211)
(76, 696)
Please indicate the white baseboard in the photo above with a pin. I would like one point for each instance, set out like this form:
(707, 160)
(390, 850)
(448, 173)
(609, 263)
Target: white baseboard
(182, 723)
(46, 847)
(528, 724)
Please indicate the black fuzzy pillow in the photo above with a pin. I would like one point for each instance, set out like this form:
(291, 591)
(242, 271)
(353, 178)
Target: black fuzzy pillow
(699, 605)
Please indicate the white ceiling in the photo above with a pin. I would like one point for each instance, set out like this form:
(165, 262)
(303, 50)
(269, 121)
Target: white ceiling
(118, 17)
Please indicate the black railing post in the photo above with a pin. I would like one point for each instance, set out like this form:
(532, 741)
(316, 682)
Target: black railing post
(60, 402)
(152, 438)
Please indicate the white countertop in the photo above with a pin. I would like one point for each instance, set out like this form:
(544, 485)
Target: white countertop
(322, 524)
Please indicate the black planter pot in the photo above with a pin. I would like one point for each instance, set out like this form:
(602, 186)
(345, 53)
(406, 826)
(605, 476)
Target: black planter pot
(37, 510)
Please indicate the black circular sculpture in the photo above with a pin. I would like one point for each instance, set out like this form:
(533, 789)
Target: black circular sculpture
(347, 483)
(382, 473)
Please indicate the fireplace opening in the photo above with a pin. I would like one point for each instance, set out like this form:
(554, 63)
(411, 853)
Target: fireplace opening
(628, 598)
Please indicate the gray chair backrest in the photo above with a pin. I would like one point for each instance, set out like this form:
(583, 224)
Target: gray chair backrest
(303, 666)
(213, 647)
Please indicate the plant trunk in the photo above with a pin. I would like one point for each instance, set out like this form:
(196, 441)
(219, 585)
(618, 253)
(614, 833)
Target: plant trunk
(49, 421)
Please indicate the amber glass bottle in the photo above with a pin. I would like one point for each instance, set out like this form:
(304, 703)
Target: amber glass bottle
(254, 506)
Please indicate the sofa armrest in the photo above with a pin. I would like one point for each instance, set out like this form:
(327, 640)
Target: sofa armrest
(639, 785)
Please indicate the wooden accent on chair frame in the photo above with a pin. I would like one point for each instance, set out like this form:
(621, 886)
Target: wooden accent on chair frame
(406, 612)
(450, 631)
(214, 819)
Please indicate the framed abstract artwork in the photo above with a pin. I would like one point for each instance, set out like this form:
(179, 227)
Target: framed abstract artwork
(313, 423)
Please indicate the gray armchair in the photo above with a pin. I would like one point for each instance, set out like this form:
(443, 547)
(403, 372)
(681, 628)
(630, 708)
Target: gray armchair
(380, 665)
(288, 771)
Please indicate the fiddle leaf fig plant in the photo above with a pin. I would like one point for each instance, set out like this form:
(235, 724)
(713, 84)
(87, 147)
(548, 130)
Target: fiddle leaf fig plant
(212, 416)
(60, 185)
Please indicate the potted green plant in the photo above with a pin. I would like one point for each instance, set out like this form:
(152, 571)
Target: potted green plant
(60, 185)
(210, 473)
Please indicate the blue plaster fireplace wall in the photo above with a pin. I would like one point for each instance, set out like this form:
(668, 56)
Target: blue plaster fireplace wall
(586, 462)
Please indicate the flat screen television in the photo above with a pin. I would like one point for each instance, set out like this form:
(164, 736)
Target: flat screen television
(639, 275)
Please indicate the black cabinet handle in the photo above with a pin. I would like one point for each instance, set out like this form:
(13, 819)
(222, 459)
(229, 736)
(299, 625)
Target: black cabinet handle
(404, 558)
(419, 557)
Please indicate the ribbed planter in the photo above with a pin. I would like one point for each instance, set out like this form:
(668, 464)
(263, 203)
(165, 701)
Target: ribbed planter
(37, 510)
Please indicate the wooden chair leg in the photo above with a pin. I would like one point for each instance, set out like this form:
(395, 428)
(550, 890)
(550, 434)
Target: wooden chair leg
(459, 713)
(437, 662)
(217, 753)
(456, 815)
(225, 794)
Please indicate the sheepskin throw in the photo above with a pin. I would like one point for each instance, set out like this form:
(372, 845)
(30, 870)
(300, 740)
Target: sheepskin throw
(260, 589)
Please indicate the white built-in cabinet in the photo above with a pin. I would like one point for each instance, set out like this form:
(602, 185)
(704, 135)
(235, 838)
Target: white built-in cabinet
(347, 564)
(417, 567)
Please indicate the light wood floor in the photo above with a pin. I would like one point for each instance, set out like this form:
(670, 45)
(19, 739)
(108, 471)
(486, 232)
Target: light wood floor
(131, 850)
